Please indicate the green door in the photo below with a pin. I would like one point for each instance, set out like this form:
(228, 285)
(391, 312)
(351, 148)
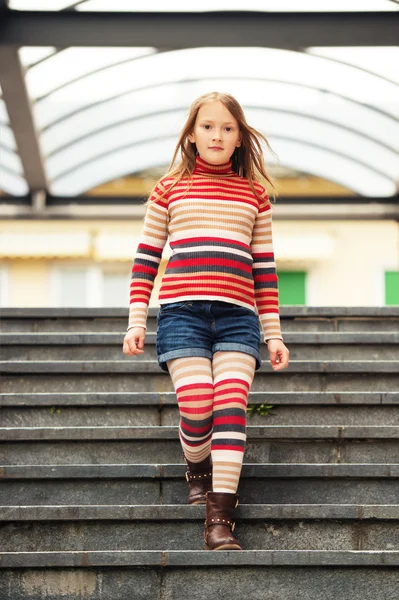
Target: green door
(391, 287)
(292, 287)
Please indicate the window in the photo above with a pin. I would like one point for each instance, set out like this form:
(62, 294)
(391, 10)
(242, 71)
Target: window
(91, 285)
(71, 290)
(292, 287)
(116, 288)
(391, 287)
(4, 292)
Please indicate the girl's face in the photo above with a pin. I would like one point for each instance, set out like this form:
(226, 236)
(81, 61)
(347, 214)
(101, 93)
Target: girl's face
(216, 133)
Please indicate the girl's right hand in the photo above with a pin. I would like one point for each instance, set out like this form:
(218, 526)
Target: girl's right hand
(134, 341)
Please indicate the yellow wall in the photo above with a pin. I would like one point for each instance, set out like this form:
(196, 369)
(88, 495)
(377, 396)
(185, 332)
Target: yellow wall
(349, 273)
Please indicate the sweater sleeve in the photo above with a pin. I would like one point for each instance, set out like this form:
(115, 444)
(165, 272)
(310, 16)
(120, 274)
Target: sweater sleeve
(148, 257)
(264, 272)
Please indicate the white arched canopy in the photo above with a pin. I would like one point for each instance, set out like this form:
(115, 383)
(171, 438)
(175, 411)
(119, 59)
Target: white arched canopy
(12, 180)
(330, 112)
(321, 110)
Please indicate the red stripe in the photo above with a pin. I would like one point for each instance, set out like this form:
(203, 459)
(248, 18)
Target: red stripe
(262, 255)
(192, 429)
(194, 386)
(270, 277)
(144, 269)
(142, 282)
(235, 448)
(142, 246)
(230, 420)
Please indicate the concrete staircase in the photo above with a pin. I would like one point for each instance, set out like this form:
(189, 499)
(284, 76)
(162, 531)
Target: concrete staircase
(92, 489)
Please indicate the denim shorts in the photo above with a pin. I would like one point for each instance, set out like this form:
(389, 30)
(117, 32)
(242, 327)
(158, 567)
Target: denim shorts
(201, 328)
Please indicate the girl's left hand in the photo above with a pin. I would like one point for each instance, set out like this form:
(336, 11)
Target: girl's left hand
(279, 354)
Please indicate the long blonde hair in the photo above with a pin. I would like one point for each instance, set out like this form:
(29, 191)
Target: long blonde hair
(247, 160)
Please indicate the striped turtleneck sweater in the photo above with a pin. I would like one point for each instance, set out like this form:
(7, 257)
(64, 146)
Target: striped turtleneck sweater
(220, 235)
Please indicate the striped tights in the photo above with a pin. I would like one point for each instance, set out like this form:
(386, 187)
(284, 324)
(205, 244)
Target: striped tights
(212, 398)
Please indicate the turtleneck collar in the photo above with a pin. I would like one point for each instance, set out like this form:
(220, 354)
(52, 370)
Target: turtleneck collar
(202, 167)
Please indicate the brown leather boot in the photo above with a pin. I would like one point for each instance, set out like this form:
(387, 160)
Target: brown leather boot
(199, 477)
(218, 524)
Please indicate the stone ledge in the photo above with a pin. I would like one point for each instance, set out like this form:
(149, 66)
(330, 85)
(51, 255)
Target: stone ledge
(301, 338)
(177, 471)
(169, 398)
(178, 512)
(254, 432)
(128, 365)
(122, 313)
(200, 558)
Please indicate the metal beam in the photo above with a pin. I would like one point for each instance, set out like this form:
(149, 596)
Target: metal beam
(189, 30)
(15, 95)
(114, 208)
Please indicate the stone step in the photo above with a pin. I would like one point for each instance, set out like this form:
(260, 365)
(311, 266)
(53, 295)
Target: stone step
(344, 347)
(78, 339)
(159, 381)
(252, 491)
(155, 484)
(187, 513)
(118, 325)
(177, 471)
(254, 432)
(259, 533)
(183, 575)
(114, 415)
(196, 558)
(168, 399)
(140, 451)
(131, 365)
(293, 318)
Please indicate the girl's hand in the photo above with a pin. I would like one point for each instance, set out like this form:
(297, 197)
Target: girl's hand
(134, 341)
(279, 354)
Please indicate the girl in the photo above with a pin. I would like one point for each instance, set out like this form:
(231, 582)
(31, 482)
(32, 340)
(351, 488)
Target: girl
(218, 284)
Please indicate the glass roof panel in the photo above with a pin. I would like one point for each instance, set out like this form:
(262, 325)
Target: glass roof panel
(3, 113)
(12, 184)
(10, 160)
(277, 97)
(31, 55)
(207, 5)
(297, 67)
(159, 152)
(11, 171)
(333, 167)
(297, 127)
(7, 137)
(74, 63)
(382, 61)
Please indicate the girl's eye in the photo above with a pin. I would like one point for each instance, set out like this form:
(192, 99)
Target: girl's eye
(227, 128)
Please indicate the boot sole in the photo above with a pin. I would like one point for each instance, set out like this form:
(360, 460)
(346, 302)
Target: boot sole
(224, 547)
